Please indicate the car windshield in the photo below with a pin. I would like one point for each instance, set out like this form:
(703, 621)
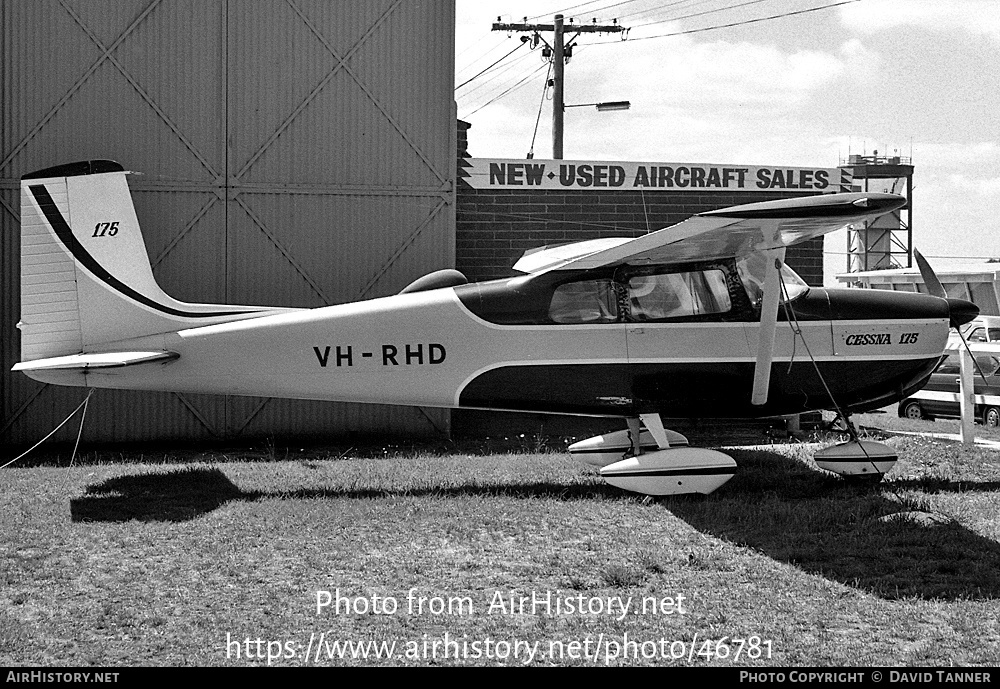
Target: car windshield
(752, 268)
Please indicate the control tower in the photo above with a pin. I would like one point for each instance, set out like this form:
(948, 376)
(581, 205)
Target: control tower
(886, 242)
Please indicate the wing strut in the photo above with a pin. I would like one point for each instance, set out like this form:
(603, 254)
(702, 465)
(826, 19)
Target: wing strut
(768, 321)
(654, 425)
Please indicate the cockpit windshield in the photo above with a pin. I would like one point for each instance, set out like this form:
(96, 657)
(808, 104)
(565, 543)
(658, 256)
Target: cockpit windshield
(752, 268)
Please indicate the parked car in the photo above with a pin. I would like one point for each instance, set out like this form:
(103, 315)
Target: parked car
(982, 329)
(940, 397)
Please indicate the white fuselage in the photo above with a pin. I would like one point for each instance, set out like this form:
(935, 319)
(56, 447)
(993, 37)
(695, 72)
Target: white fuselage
(425, 348)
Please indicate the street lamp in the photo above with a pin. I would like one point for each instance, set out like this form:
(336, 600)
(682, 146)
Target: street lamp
(557, 131)
(604, 107)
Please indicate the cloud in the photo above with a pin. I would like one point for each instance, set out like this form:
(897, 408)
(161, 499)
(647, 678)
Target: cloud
(690, 101)
(978, 186)
(861, 63)
(981, 153)
(979, 17)
(723, 72)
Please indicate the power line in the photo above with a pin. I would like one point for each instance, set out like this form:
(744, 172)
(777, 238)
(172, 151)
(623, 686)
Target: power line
(538, 118)
(560, 52)
(515, 86)
(516, 48)
(576, 7)
(701, 14)
(651, 10)
(642, 38)
(486, 50)
(500, 73)
(730, 25)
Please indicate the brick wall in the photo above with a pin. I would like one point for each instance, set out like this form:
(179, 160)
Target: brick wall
(495, 227)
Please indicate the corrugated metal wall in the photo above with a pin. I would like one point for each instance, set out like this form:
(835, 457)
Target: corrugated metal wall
(294, 152)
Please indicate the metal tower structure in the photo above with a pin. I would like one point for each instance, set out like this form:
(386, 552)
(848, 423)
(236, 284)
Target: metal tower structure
(886, 242)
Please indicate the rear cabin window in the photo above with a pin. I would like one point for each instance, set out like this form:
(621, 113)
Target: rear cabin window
(587, 301)
(677, 295)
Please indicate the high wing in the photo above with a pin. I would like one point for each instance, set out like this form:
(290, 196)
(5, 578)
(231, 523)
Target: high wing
(723, 233)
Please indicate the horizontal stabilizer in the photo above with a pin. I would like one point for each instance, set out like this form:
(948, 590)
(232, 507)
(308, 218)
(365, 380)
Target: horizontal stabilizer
(101, 360)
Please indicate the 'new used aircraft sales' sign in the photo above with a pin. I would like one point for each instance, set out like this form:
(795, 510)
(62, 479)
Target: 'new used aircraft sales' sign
(498, 173)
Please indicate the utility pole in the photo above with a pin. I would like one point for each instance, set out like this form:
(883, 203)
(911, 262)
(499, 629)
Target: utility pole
(560, 50)
(558, 87)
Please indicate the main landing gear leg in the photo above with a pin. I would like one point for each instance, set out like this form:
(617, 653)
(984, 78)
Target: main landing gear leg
(634, 436)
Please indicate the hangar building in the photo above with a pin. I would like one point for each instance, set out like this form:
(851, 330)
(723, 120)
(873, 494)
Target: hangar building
(292, 153)
(299, 154)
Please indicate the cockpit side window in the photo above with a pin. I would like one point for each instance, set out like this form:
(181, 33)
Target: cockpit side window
(585, 301)
(677, 295)
(752, 269)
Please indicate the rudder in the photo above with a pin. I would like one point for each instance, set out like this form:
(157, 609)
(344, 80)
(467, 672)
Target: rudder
(86, 278)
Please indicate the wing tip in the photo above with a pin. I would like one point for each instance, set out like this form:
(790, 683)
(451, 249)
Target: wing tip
(819, 206)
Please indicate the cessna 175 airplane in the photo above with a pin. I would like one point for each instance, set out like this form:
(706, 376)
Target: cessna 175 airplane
(680, 322)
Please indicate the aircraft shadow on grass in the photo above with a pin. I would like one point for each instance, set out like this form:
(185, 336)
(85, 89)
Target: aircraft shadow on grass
(861, 536)
(186, 494)
(869, 537)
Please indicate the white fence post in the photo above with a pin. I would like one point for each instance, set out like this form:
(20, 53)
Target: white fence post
(967, 403)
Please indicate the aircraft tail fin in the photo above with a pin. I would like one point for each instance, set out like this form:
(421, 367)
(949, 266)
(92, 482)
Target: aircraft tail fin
(86, 277)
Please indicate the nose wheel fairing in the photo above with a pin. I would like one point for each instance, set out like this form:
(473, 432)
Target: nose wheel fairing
(857, 458)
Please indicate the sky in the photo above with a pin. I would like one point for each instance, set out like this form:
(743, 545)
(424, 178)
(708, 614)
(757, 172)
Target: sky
(915, 78)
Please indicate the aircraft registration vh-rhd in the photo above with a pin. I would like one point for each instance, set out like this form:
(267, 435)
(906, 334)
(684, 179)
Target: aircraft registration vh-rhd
(680, 322)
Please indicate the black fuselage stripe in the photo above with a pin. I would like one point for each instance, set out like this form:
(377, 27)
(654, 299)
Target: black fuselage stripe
(710, 471)
(612, 450)
(73, 245)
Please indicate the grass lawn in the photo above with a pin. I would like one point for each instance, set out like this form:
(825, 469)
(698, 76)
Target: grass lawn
(219, 558)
